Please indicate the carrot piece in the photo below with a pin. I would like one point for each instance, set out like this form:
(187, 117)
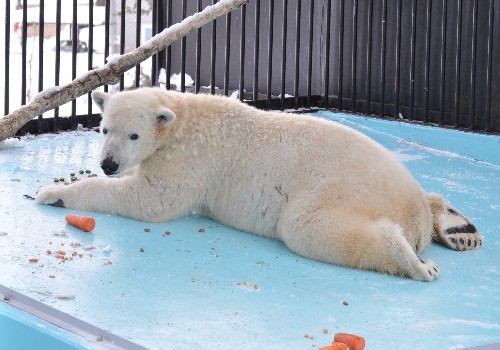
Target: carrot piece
(335, 346)
(353, 341)
(85, 223)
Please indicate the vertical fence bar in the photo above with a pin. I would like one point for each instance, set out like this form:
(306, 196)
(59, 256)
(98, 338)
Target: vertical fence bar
(7, 59)
(412, 56)
(397, 61)
(213, 53)
(382, 58)
(161, 59)
(473, 66)
(443, 61)
(283, 54)
(489, 49)
(327, 52)
(341, 55)
(309, 54)
(197, 81)
(57, 67)
(154, 31)
(428, 14)
(107, 15)
(90, 57)
(256, 49)
(297, 54)
(458, 60)
(227, 53)
(183, 50)
(270, 53)
(74, 51)
(138, 40)
(354, 53)
(24, 39)
(122, 40)
(169, 47)
(41, 35)
(369, 57)
(242, 51)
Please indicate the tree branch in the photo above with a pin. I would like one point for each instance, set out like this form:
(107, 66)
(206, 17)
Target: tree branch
(110, 73)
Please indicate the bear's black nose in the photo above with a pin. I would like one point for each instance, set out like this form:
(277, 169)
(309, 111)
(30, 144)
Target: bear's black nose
(109, 166)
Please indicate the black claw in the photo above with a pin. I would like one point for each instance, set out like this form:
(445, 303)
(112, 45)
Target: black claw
(430, 273)
(462, 241)
(475, 243)
(469, 242)
(453, 240)
(435, 269)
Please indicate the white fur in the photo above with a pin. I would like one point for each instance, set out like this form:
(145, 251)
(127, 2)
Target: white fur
(328, 192)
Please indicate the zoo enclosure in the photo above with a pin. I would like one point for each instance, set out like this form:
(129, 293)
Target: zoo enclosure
(434, 61)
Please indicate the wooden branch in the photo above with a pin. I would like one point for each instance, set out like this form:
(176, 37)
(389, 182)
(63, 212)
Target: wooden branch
(110, 73)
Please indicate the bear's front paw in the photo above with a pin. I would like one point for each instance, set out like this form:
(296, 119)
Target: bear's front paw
(51, 195)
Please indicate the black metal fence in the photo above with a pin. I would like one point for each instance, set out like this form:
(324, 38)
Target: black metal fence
(434, 61)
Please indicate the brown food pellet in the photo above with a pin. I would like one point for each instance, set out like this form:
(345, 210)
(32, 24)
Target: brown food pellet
(61, 179)
(141, 250)
(201, 230)
(325, 331)
(33, 260)
(61, 252)
(80, 255)
(52, 276)
(74, 254)
(49, 251)
(345, 303)
(66, 183)
(147, 230)
(88, 171)
(56, 180)
(72, 174)
(74, 178)
(81, 171)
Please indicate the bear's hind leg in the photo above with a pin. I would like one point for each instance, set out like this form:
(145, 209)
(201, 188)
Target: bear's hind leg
(359, 243)
(451, 228)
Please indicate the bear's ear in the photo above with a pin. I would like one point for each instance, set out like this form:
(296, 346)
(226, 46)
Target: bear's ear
(100, 98)
(165, 116)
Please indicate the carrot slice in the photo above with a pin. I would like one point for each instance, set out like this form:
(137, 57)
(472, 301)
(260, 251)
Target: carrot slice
(335, 346)
(353, 341)
(85, 223)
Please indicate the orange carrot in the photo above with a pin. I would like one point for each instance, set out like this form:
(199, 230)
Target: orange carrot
(86, 223)
(353, 341)
(335, 346)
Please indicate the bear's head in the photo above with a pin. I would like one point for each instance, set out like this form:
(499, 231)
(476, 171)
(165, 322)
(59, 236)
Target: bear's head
(134, 126)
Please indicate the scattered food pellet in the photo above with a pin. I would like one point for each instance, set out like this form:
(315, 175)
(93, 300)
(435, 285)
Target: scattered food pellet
(52, 276)
(147, 230)
(167, 233)
(56, 180)
(141, 250)
(61, 179)
(61, 252)
(109, 262)
(3, 233)
(255, 286)
(201, 230)
(325, 331)
(49, 251)
(308, 336)
(345, 303)
(106, 249)
(33, 260)
(88, 247)
(248, 284)
(75, 253)
(80, 255)
(88, 171)
(75, 244)
(71, 174)
(74, 178)
(81, 171)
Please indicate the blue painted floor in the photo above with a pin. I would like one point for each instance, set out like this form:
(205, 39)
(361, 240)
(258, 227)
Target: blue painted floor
(175, 287)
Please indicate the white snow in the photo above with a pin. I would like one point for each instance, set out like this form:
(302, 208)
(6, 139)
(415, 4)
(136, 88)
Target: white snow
(175, 79)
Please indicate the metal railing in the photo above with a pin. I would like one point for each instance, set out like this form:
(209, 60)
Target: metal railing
(432, 61)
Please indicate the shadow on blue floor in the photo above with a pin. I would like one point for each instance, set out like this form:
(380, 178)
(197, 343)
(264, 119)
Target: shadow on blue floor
(171, 286)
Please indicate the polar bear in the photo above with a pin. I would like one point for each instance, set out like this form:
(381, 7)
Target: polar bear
(328, 192)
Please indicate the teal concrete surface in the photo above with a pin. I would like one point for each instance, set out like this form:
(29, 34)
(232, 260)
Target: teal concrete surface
(170, 286)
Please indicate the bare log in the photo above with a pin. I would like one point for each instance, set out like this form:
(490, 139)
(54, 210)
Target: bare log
(110, 73)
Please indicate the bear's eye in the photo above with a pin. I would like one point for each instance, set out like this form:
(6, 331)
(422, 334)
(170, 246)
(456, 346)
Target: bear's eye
(134, 137)
(104, 131)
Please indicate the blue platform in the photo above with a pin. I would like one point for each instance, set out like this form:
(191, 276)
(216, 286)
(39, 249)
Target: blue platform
(175, 287)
